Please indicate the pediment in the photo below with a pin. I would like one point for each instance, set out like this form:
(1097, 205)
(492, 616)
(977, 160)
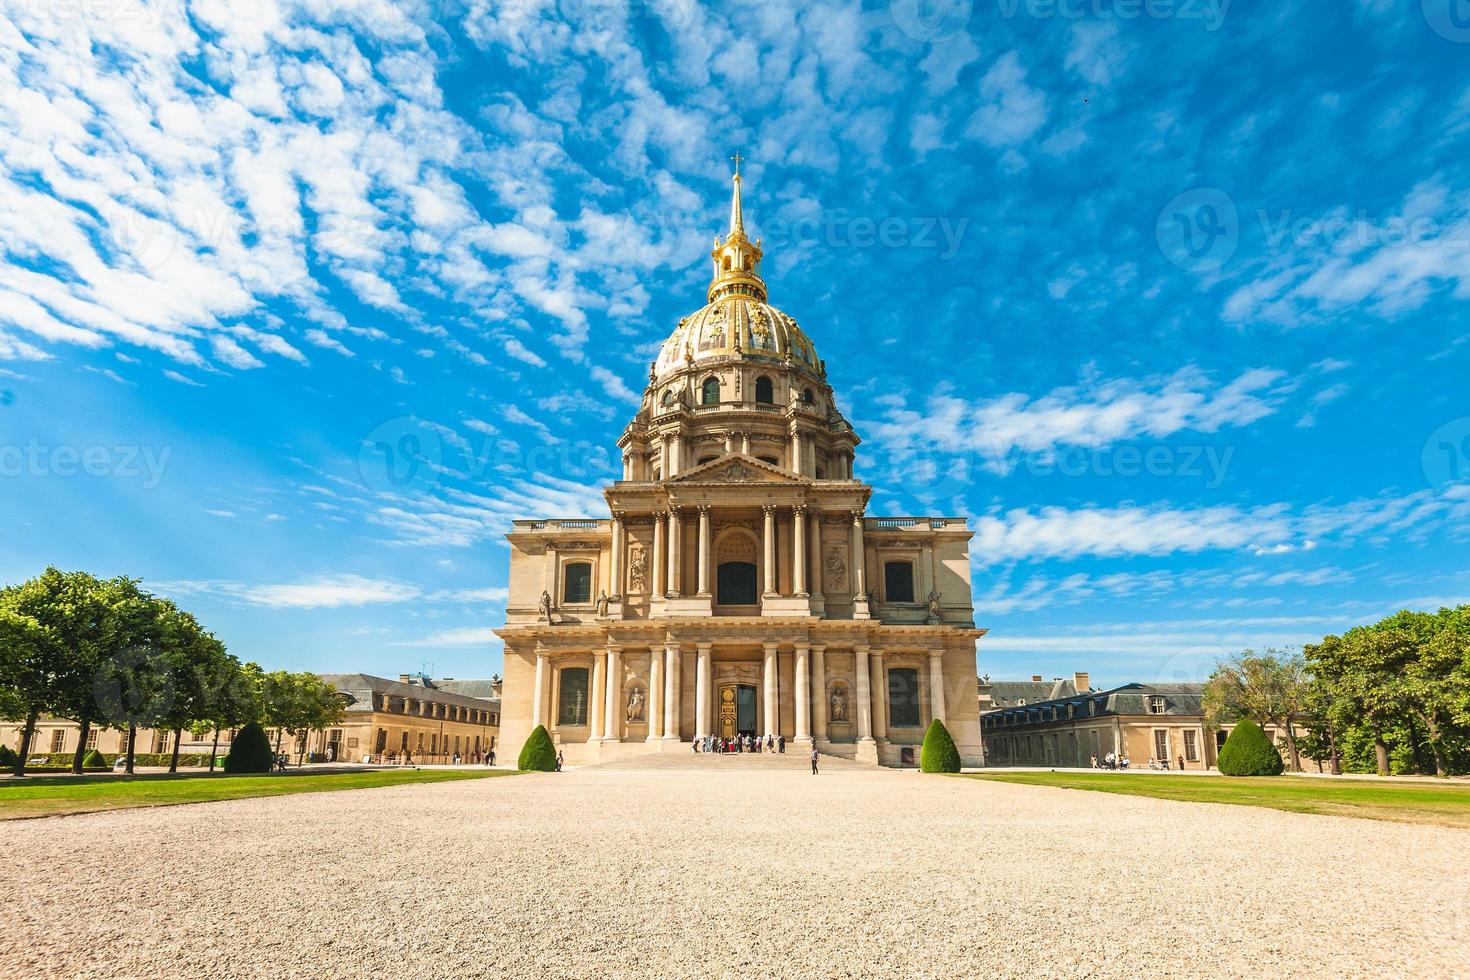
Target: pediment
(736, 468)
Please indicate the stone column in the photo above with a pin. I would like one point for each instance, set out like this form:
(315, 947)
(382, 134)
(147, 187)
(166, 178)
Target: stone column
(618, 547)
(864, 694)
(936, 684)
(627, 466)
(796, 459)
(704, 556)
(880, 695)
(768, 685)
(729, 441)
(745, 443)
(803, 696)
(769, 541)
(655, 694)
(599, 684)
(538, 706)
(798, 543)
(675, 523)
(673, 677)
(819, 691)
(548, 573)
(612, 714)
(676, 454)
(859, 556)
(702, 691)
(660, 560)
(814, 553)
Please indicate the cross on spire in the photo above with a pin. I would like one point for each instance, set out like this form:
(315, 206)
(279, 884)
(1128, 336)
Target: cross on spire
(737, 158)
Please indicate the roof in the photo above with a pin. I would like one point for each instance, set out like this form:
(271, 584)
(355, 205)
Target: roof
(1009, 694)
(1129, 699)
(361, 688)
(488, 690)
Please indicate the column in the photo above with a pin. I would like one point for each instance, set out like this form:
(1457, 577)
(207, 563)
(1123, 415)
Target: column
(672, 680)
(627, 466)
(803, 696)
(769, 540)
(702, 691)
(859, 557)
(704, 557)
(616, 592)
(936, 684)
(659, 560)
(537, 705)
(819, 691)
(614, 697)
(880, 695)
(548, 573)
(599, 684)
(745, 443)
(798, 543)
(768, 685)
(676, 455)
(796, 452)
(655, 694)
(864, 694)
(729, 441)
(814, 553)
(675, 523)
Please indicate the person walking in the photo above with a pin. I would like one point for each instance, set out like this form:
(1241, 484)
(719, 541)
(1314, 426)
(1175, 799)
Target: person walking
(1181, 763)
(558, 761)
(814, 760)
(781, 743)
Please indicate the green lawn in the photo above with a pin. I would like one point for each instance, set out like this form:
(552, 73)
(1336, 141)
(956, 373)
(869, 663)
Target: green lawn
(52, 795)
(1424, 803)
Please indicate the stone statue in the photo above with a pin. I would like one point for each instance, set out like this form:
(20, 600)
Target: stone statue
(839, 704)
(836, 570)
(635, 704)
(933, 601)
(637, 569)
(545, 605)
(602, 603)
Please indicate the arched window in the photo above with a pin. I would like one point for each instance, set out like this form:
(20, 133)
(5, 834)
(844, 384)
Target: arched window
(807, 398)
(898, 581)
(765, 392)
(709, 392)
(571, 702)
(668, 398)
(577, 583)
(903, 697)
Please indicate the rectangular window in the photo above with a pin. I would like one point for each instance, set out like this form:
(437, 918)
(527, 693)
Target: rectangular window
(577, 583)
(58, 740)
(1156, 705)
(1161, 744)
(572, 700)
(903, 697)
(898, 581)
(92, 739)
(1191, 746)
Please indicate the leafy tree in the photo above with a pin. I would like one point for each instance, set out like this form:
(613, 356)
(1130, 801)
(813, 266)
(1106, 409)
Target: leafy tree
(939, 753)
(233, 701)
(193, 658)
(8, 757)
(250, 751)
(1362, 670)
(1270, 687)
(1248, 752)
(134, 683)
(538, 754)
(318, 706)
(29, 660)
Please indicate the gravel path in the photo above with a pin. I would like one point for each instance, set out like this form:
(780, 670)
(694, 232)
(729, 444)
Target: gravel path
(738, 874)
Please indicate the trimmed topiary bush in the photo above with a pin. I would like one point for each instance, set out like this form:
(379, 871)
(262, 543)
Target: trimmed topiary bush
(939, 753)
(8, 758)
(250, 751)
(94, 760)
(1248, 752)
(538, 754)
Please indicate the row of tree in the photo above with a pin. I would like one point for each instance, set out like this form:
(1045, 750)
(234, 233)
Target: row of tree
(1392, 697)
(105, 653)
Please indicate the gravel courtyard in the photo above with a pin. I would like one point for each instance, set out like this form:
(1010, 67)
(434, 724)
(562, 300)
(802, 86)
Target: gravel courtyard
(704, 874)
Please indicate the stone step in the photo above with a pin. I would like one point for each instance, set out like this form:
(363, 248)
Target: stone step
(734, 761)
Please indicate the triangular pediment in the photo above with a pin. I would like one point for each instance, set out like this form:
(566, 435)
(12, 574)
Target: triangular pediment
(736, 468)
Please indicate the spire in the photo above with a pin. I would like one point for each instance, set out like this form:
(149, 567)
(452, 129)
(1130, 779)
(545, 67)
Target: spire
(737, 222)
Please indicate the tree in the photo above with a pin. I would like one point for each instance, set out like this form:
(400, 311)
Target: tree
(1269, 687)
(193, 658)
(939, 753)
(134, 684)
(250, 751)
(29, 659)
(1362, 668)
(538, 754)
(318, 706)
(94, 760)
(1248, 752)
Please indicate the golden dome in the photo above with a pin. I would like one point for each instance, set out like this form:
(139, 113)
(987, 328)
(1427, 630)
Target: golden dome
(736, 326)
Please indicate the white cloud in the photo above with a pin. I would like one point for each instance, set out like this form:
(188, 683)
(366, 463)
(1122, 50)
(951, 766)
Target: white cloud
(1012, 110)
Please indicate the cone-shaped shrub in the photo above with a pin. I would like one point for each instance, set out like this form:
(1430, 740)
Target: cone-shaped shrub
(94, 760)
(538, 754)
(250, 751)
(1248, 752)
(939, 753)
(7, 757)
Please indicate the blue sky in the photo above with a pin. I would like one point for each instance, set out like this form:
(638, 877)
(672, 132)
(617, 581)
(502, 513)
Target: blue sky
(1168, 299)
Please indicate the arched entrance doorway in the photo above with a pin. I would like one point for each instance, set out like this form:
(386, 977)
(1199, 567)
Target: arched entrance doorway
(737, 710)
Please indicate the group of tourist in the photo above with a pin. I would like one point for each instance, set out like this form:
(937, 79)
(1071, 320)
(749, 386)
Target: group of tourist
(1110, 761)
(720, 745)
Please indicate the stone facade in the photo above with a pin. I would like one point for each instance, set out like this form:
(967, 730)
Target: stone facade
(738, 584)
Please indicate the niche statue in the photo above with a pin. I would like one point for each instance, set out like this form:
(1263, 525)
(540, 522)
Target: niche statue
(635, 704)
(839, 704)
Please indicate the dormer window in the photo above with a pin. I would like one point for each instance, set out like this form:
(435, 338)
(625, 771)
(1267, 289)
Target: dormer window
(1156, 705)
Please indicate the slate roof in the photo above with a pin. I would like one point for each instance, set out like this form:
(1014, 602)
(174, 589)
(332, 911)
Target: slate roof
(483, 689)
(362, 687)
(1129, 699)
(1009, 694)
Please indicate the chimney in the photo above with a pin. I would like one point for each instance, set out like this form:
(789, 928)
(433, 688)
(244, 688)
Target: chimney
(405, 678)
(1081, 682)
(1036, 678)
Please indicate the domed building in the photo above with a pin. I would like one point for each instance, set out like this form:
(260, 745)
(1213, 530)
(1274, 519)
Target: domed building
(738, 587)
